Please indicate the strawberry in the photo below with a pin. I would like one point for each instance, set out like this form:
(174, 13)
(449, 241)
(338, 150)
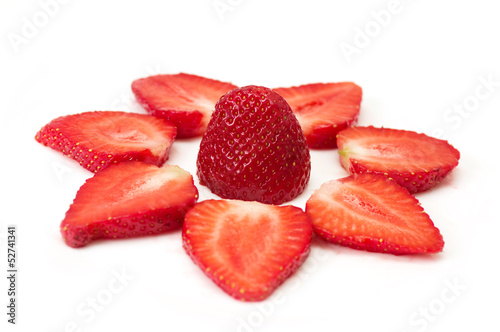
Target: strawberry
(323, 109)
(373, 213)
(247, 248)
(254, 148)
(416, 161)
(128, 200)
(102, 138)
(185, 100)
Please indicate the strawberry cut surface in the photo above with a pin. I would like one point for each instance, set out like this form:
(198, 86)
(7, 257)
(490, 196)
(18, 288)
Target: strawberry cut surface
(254, 148)
(373, 213)
(324, 109)
(183, 99)
(416, 161)
(127, 200)
(99, 139)
(246, 248)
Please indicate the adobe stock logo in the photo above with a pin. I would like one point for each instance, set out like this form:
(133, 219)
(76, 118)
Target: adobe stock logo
(456, 115)
(222, 7)
(89, 309)
(427, 314)
(371, 29)
(264, 310)
(30, 27)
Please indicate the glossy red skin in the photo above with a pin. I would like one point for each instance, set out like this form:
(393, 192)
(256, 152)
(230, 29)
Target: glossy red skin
(414, 182)
(324, 109)
(159, 214)
(252, 150)
(419, 179)
(122, 227)
(189, 119)
(231, 282)
(335, 226)
(58, 136)
(325, 137)
(188, 123)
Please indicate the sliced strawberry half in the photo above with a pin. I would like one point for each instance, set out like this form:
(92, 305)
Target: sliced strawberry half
(416, 161)
(372, 213)
(127, 200)
(185, 100)
(247, 248)
(323, 109)
(102, 138)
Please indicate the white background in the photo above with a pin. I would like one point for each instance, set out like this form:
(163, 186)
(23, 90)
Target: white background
(417, 67)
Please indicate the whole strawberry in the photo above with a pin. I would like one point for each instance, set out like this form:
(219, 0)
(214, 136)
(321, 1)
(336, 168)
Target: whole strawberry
(254, 148)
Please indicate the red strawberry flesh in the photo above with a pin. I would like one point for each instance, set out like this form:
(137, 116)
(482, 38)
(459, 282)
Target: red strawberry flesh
(99, 139)
(324, 109)
(183, 99)
(247, 248)
(127, 200)
(416, 161)
(372, 213)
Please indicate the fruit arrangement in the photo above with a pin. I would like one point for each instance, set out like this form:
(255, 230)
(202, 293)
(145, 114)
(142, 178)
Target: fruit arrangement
(255, 154)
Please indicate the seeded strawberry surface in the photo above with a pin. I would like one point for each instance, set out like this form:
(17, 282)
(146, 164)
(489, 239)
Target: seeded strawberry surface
(373, 213)
(127, 200)
(185, 100)
(247, 248)
(323, 110)
(99, 139)
(416, 161)
(254, 148)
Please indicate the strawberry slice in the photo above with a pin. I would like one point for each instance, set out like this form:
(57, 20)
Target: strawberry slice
(323, 109)
(370, 212)
(416, 161)
(128, 200)
(247, 248)
(185, 100)
(102, 138)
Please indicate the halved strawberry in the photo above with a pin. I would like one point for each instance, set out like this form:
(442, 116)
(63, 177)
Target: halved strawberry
(102, 138)
(416, 161)
(253, 148)
(372, 213)
(247, 248)
(323, 109)
(127, 200)
(185, 100)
